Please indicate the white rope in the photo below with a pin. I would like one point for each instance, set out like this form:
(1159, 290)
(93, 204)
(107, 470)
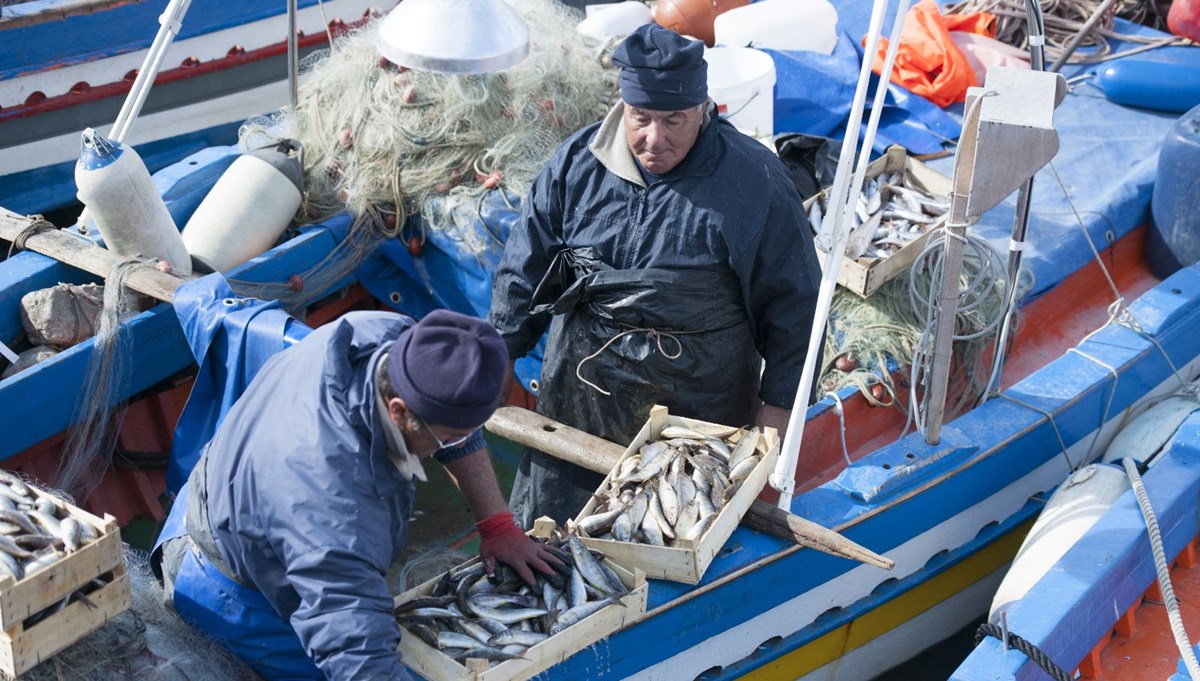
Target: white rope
(653, 334)
(841, 414)
(1164, 573)
(1112, 392)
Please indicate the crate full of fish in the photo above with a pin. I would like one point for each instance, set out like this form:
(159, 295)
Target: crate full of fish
(62, 574)
(902, 203)
(676, 495)
(466, 626)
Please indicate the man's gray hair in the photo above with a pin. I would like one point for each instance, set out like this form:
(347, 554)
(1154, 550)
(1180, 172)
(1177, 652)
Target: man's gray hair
(383, 382)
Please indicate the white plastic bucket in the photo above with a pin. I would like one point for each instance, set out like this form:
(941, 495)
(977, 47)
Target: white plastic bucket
(809, 25)
(741, 80)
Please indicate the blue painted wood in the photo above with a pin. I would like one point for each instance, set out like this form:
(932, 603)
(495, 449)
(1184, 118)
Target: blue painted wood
(122, 29)
(42, 398)
(1083, 595)
(51, 187)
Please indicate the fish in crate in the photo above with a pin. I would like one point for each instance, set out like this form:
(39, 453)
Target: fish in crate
(469, 616)
(672, 489)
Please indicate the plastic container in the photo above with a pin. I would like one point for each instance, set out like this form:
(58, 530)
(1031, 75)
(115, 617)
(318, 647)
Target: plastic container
(621, 18)
(1184, 19)
(1174, 235)
(741, 80)
(809, 25)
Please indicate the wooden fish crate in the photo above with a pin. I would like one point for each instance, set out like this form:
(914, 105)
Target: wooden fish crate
(437, 666)
(687, 562)
(25, 643)
(865, 275)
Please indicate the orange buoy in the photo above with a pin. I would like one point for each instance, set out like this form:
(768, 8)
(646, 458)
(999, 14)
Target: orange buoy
(687, 17)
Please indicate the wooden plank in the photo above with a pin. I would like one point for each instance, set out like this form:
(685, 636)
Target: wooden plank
(435, 665)
(87, 256)
(28, 648)
(557, 439)
(597, 454)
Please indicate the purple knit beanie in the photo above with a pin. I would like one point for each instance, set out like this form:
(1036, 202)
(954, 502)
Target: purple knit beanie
(448, 368)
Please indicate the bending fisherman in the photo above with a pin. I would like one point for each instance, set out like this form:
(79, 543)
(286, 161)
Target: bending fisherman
(301, 501)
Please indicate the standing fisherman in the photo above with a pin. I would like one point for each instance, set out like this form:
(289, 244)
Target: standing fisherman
(301, 501)
(663, 248)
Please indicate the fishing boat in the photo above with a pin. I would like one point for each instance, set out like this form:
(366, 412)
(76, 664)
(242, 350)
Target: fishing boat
(228, 64)
(1100, 335)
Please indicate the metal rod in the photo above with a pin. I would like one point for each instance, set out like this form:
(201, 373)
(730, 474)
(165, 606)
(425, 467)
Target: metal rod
(842, 197)
(1037, 62)
(169, 23)
(293, 55)
(1079, 37)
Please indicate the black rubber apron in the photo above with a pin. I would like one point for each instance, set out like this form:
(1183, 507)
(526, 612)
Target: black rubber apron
(620, 342)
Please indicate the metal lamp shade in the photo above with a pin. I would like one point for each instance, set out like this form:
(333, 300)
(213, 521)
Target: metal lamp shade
(454, 36)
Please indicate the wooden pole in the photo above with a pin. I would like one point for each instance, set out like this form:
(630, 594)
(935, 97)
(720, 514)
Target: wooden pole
(597, 454)
(85, 255)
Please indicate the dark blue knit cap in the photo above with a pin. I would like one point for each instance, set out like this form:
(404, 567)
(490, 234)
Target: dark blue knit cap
(448, 368)
(661, 70)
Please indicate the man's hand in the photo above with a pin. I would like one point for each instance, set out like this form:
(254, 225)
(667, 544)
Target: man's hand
(501, 540)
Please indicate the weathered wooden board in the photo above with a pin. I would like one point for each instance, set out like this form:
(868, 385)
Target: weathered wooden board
(85, 255)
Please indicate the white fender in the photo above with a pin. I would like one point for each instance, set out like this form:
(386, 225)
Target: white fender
(1071, 511)
(1150, 431)
(248, 209)
(115, 186)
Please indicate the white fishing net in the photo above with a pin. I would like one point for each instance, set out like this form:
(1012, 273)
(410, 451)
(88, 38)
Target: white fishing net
(148, 641)
(377, 135)
(379, 140)
(91, 440)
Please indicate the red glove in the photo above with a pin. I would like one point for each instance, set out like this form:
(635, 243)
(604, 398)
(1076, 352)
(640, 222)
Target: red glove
(501, 540)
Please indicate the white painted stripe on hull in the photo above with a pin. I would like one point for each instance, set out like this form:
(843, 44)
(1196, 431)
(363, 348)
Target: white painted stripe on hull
(907, 640)
(252, 36)
(232, 108)
(786, 619)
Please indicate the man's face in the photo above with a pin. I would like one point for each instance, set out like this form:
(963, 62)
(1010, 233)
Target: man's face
(661, 139)
(423, 439)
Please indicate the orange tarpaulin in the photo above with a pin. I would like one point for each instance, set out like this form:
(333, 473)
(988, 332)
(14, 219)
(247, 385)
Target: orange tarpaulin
(928, 63)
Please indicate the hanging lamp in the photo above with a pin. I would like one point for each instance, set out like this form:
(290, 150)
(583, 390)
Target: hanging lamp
(454, 36)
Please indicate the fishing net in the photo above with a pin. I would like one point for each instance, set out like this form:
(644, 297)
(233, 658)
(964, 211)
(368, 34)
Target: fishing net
(91, 441)
(149, 641)
(421, 566)
(1063, 19)
(869, 342)
(379, 140)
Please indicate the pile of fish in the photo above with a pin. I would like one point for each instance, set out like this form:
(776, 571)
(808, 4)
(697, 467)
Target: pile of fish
(672, 489)
(34, 532)
(469, 614)
(892, 212)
